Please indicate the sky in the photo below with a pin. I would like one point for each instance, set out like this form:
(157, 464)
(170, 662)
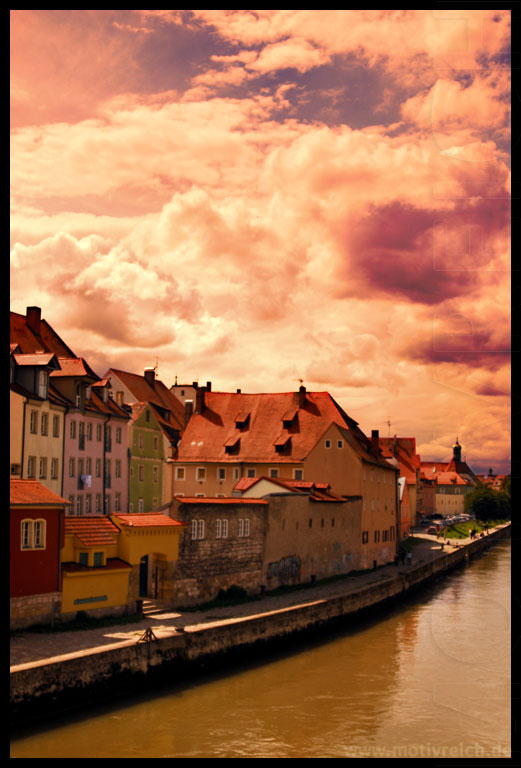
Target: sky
(260, 198)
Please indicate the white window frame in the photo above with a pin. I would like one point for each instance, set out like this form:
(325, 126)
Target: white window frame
(55, 466)
(221, 473)
(180, 473)
(55, 426)
(200, 474)
(33, 422)
(327, 443)
(197, 529)
(243, 528)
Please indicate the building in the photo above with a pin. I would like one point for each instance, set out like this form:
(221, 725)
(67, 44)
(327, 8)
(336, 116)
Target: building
(401, 452)
(157, 422)
(36, 537)
(453, 480)
(65, 428)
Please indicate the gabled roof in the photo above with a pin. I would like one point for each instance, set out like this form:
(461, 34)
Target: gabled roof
(315, 491)
(46, 340)
(74, 367)
(450, 478)
(145, 520)
(37, 359)
(30, 492)
(210, 431)
(155, 393)
(93, 530)
(403, 449)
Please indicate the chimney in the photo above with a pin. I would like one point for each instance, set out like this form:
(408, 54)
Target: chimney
(33, 317)
(238, 391)
(302, 397)
(375, 439)
(208, 386)
(199, 399)
(189, 409)
(150, 375)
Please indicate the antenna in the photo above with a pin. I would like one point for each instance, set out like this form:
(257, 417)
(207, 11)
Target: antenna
(388, 422)
(156, 366)
(301, 380)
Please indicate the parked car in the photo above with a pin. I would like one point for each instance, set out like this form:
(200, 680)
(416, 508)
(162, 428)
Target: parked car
(434, 529)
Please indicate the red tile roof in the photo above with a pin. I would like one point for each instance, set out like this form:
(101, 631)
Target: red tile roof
(316, 491)
(403, 449)
(74, 366)
(145, 520)
(24, 492)
(211, 500)
(207, 433)
(47, 339)
(450, 478)
(155, 393)
(94, 530)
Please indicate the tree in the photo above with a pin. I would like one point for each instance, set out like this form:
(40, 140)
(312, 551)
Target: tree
(487, 504)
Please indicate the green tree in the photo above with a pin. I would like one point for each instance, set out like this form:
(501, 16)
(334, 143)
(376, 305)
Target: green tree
(487, 504)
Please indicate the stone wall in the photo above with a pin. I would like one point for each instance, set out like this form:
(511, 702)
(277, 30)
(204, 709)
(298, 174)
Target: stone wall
(210, 563)
(35, 609)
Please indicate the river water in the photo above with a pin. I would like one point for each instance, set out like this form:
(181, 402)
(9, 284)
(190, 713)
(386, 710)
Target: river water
(427, 678)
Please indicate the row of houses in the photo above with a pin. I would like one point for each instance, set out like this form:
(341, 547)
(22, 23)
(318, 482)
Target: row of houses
(265, 489)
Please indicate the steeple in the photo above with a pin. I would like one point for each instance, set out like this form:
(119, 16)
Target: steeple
(456, 451)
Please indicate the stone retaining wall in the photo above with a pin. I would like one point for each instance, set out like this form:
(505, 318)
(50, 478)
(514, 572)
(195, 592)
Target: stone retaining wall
(94, 675)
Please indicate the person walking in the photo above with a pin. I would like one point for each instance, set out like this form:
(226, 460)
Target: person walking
(409, 558)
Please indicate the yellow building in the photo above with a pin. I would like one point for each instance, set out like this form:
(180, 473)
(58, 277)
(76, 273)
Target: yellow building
(102, 562)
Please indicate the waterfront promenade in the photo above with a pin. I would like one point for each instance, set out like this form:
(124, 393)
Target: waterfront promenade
(30, 649)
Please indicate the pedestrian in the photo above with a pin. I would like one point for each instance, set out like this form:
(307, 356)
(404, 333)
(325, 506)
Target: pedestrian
(409, 558)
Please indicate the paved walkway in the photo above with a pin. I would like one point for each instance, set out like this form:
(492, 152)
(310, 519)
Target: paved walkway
(36, 648)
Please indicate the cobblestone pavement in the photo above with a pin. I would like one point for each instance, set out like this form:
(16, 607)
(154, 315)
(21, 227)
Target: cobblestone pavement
(29, 647)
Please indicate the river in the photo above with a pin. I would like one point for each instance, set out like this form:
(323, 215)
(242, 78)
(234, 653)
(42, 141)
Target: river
(427, 678)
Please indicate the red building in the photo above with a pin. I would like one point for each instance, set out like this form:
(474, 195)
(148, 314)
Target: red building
(36, 540)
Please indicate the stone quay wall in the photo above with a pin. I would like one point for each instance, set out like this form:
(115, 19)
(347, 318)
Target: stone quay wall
(130, 667)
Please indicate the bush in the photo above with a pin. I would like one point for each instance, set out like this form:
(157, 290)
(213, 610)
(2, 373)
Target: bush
(487, 504)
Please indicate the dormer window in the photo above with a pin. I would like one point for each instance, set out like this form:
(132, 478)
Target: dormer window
(232, 445)
(283, 444)
(289, 418)
(242, 420)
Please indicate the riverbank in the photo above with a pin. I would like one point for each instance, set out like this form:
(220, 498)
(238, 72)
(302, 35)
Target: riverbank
(59, 671)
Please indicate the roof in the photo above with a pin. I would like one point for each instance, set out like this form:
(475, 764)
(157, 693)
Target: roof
(46, 339)
(145, 520)
(450, 478)
(30, 492)
(36, 358)
(315, 491)
(92, 530)
(403, 449)
(211, 500)
(155, 393)
(209, 432)
(74, 366)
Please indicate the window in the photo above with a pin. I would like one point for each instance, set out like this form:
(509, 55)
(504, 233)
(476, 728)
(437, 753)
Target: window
(81, 429)
(179, 473)
(117, 502)
(365, 537)
(385, 535)
(79, 505)
(89, 431)
(88, 466)
(33, 420)
(250, 472)
(98, 559)
(141, 473)
(243, 528)
(43, 468)
(131, 507)
(140, 440)
(140, 505)
(54, 469)
(376, 537)
(298, 474)
(73, 429)
(55, 426)
(44, 427)
(98, 432)
(147, 415)
(84, 558)
(27, 534)
(156, 443)
(98, 467)
(42, 384)
(155, 474)
(88, 503)
(201, 474)
(118, 434)
(221, 473)
(235, 473)
(339, 443)
(39, 534)
(327, 443)
(197, 529)
(118, 468)
(98, 502)
(71, 467)
(274, 472)
(71, 505)
(221, 529)
(107, 504)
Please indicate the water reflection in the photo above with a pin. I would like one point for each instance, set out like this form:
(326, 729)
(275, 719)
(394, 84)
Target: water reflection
(429, 675)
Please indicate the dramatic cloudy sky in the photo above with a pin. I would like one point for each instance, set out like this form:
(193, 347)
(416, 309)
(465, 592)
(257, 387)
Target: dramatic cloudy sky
(256, 197)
